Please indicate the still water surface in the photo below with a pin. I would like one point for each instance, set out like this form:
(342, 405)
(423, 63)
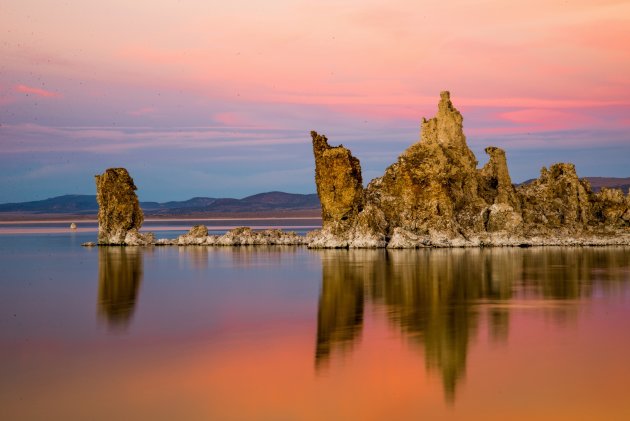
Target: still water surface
(287, 333)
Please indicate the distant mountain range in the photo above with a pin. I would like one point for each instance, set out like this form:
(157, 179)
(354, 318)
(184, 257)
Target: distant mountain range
(598, 182)
(263, 203)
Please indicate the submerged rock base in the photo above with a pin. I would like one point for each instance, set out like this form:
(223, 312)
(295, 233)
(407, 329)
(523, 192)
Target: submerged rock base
(401, 239)
(242, 236)
(198, 236)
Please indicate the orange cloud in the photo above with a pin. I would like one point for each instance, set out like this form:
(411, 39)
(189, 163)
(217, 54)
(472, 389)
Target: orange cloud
(37, 91)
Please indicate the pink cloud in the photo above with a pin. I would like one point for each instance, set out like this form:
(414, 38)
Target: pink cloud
(548, 119)
(420, 100)
(230, 118)
(142, 111)
(36, 138)
(37, 91)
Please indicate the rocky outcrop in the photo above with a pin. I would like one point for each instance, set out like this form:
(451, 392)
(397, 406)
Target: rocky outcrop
(433, 185)
(557, 199)
(120, 219)
(346, 222)
(612, 208)
(339, 184)
(119, 214)
(496, 189)
(495, 184)
(242, 236)
(434, 196)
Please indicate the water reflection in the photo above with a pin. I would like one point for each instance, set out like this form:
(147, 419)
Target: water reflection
(204, 258)
(340, 314)
(437, 298)
(120, 275)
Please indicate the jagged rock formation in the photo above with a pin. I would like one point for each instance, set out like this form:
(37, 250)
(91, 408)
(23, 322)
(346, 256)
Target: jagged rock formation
(495, 184)
(119, 214)
(433, 185)
(557, 199)
(434, 195)
(340, 190)
(612, 207)
(496, 189)
(120, 219)
(339, 183)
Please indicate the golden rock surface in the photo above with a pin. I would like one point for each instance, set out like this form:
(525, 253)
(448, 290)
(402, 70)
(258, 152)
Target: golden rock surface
(435, 196)
(119, 213)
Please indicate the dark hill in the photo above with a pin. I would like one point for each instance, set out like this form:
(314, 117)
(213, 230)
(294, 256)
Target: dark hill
(70, 203)
(198, 206)
(598, 182)
(611, 182)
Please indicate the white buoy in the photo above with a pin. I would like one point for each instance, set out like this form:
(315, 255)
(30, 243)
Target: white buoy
(73, 226)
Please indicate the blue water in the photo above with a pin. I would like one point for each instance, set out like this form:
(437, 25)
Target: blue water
(166, 228)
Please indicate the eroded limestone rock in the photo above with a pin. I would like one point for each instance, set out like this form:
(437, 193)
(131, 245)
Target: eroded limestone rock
(433, 185)
(119, 214)
(339, 184)
(612, 208)
(346, 221)
(434, 196)
(495, 184)
(557, 199)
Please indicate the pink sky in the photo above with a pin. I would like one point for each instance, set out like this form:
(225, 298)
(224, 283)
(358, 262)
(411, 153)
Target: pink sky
(350, 69)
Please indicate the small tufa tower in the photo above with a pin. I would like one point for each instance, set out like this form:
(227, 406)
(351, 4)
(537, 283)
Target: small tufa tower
(119, 213)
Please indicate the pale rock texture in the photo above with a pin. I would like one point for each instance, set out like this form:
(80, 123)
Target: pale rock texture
(119, 214)
(195, 236)
(135, 238)
(242, 236)
(245, 236)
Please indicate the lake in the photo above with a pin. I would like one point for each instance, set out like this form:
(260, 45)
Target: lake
(288, 333)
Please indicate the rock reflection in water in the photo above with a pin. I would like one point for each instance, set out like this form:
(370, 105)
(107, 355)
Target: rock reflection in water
(437, 297)
(120, 275)
(340, 314)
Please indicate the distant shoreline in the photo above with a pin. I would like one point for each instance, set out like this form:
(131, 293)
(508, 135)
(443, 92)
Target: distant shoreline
(8, 218)
(60, 221)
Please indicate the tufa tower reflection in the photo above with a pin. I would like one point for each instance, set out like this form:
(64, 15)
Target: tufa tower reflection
(438, 297)
(120, 275)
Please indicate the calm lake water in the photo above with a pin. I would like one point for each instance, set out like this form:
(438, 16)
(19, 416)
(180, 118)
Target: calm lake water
(287, 333)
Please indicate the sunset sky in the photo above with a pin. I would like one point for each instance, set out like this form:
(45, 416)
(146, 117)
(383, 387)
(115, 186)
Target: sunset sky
(205, 98)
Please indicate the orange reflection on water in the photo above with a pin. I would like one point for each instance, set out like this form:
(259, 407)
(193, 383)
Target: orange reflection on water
(450, 334)
(273, 377)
